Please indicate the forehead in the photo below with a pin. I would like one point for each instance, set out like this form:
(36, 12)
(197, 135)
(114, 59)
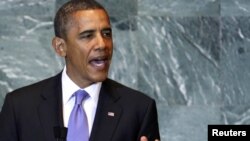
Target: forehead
(92, 16)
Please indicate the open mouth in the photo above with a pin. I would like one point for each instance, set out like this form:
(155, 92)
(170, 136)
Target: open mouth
(99, 62)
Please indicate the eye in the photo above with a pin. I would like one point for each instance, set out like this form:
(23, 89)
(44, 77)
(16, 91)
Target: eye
(107, 33)
(87, 34)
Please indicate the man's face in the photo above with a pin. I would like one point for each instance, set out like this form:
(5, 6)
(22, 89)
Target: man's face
(89, 47)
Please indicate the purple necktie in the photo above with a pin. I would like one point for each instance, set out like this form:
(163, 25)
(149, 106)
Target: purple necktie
(78, 124)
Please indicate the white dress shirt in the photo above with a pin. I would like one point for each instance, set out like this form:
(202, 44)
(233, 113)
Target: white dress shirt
(89, 105)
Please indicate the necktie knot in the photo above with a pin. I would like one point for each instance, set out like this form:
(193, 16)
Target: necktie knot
(80, 95)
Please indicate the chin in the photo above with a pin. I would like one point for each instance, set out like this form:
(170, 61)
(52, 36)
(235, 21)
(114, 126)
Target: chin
(99, 78)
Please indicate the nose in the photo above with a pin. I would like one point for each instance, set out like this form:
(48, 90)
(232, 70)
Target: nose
(100, 45)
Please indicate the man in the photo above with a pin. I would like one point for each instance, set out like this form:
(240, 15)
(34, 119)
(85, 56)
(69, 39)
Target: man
(83, 36)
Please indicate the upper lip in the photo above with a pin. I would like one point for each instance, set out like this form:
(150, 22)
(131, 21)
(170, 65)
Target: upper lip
(99, 58)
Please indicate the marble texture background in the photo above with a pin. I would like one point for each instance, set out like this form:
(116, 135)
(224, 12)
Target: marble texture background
(190, 55)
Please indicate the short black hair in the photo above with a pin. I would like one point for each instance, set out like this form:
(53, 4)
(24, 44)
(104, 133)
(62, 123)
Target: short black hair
(64, 14)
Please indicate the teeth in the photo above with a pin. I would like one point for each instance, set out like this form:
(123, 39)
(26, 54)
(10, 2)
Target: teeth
(98, 62)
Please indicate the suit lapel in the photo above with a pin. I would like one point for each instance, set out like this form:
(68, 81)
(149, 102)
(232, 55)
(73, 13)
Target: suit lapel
(50, 108)
(107, 114)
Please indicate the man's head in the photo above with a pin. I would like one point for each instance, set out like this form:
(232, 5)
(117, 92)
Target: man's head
(63, 17)
(83, 36)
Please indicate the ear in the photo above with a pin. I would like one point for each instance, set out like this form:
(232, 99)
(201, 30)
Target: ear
(59, 46)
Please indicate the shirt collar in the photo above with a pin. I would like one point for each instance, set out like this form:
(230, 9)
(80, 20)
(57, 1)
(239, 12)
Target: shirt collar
(69, 87)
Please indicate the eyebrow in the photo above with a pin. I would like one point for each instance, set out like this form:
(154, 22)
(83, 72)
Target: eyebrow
(92, 31)
(87, 31)
(107, 29)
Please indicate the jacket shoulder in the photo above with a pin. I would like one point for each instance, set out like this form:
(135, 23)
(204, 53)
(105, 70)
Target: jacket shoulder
(35, 87)
(127, 92)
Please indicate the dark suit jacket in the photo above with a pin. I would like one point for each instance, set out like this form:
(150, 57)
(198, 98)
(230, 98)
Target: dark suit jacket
(30, 113)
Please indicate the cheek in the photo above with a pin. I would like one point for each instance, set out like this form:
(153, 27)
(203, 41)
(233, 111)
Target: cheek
(76, 54)
(81, 49)
(109, 44)
(83, 55)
